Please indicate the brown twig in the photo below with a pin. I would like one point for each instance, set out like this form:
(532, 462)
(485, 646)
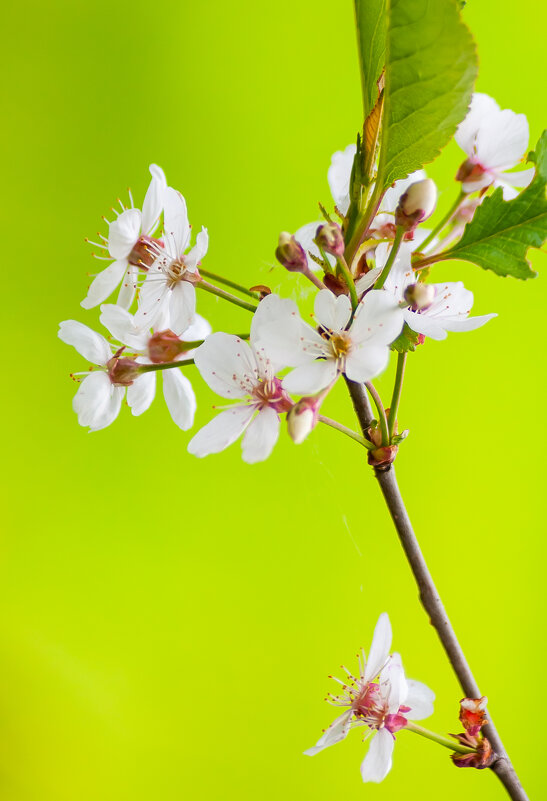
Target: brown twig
(430, 598)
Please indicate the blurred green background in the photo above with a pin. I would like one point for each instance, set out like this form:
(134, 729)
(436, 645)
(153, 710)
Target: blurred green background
(168, 624)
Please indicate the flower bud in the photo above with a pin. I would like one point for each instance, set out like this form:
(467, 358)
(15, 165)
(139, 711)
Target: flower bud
(164, 346)
(473, 714)
(291, 254)
(302, 419)
(382, 457)
(417, 204)
(122, 371)
(329, 237)
(420, 296)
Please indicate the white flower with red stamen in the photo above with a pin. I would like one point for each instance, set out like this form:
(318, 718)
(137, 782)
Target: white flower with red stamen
(495, 141)
(169, 284)
(429, 309)
(381, 699)
(235, 369)
(128, 242)
(359, 348)
(161, 346)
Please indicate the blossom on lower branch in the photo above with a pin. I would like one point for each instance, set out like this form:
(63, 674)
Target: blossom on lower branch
(381, 699)
(235, 369)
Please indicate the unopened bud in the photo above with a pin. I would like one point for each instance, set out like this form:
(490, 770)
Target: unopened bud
(417, 204)
(302, 419)
(420, 296)
(329, 237)
(382, 457)
(122, 371)
(164, 346)
(291, 254)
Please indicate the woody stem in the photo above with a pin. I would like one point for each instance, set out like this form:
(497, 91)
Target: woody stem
(430, 598)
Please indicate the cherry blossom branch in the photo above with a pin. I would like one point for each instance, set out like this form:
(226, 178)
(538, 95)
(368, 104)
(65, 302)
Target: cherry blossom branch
(430, 598)
(227, 282)
(221, 293)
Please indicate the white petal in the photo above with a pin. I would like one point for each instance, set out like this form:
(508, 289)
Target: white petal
(367, 280)
(519, 179)
(154, 297)
(176, 228)
(469, 324)
(261, 436)
(339, 176)
(482, 108)
(182, 306)
(223, 429)
(227, 364)
(393, 686)
(379, 650)
(200, 328)
(97, 402)
(337, 731)
(502, 140)
(128, 288)
(420, 700)
(153, 201)
(311, 378)
(179, 397)
(280, 334)
(141, 392)
(377, 763)
(122, 326)
(90, 344)
(330, 311)
(123, 233)
(104, 284)
(367, 361)
(422, 324)
(193, 258)
(378, 319)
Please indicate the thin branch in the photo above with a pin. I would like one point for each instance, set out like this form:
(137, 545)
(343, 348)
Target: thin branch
(431, 600)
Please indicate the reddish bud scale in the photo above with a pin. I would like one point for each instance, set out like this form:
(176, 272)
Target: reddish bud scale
(122, 371)
(164, 346)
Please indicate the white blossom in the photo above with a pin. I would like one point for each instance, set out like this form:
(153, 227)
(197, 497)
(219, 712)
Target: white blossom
(495, 140)
(381, 699)
(169, 285)
(244, 371)
(449, 303)
(359, 349)
(127, 244)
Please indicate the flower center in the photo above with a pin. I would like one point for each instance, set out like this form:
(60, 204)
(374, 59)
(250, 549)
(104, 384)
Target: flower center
(341, 343)
(175, 270)
(271, 393)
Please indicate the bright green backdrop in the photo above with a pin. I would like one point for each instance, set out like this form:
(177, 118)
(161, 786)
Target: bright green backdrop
(168, 624)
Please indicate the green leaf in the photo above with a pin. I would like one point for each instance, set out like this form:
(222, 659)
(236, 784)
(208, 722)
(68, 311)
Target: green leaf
(502, 231)
(406, 341)
(431, 66)
(370, 17)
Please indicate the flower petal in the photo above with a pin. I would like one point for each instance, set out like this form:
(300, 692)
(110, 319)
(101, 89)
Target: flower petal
(141, 392)
(193, 258)
(97, 402)
(279, 333)
(223, 429)
(153, 200)
(182, 306)
(179, 397)
(153, 299)
(378, 319)
(379, 759)
(366, 361)
(379, 650)
(261, 436)
(420, 700)
(123, 233)
(104, 284)
(200, 328)
(332, 312)
(176, 228)
(367, 280)
(311, 378)
(128, 288)
(393, 686)
(91, 345)
(482, 108)
(121, 325)
(227, 364)
(339, 176)
(337, 731)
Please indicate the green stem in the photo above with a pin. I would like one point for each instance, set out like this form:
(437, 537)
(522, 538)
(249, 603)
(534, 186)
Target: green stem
(149, 368)
(347, 431)
(444, 221)
(381, 412)
(397, 389)
(364, 223)
(221, 293)
(226, 281)
(454, 745)
(349, 281)
(311, 276)
(399, 233)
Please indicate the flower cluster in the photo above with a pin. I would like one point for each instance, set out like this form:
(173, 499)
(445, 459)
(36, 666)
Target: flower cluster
(367, 302)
